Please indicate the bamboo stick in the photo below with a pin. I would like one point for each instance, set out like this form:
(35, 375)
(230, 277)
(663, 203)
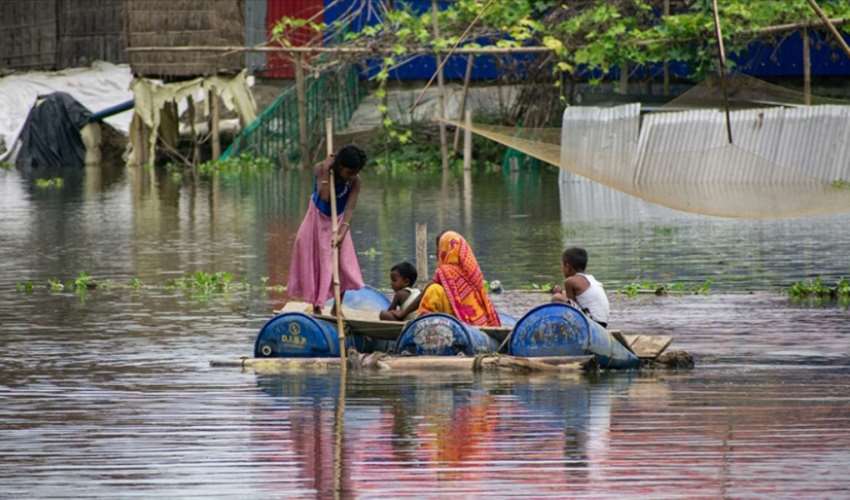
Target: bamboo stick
(467, 140)
(721, 55)
(340, 327)
(301, 97)
(466, 79)
(807, 68)
(831, 26)
(215, 116)
(422, 250)
(444, 147)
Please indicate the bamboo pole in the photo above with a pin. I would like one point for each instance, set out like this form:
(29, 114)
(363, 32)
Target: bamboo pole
(831, 26)
(807, 68)
(340, 327)
(467, 140)
(624, 78)
(444, 147)
(422, 250)
(192, 114)
(339, 431)
(466, 79)
(666, 64)
(301, 96)
(721, 55)
(215, 116)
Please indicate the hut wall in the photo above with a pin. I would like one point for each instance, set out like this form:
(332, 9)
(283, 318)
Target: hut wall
(90, 30)
(175, 23)
(28, 34)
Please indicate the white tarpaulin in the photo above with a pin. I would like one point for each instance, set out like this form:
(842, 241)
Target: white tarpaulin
(97, 88)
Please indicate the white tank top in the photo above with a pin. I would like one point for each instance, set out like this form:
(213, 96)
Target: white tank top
(414, 292)
(594, 299)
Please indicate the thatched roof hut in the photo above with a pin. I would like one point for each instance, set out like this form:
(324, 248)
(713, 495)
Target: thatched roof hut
(56, 34)
(175, 23)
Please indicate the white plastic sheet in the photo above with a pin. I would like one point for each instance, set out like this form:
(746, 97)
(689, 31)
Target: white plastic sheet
(98, 87)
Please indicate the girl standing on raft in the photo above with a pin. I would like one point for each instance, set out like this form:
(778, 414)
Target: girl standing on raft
(310, 271)
(458, 285)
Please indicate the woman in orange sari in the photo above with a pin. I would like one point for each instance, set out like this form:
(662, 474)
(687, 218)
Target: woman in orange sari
(458, 285)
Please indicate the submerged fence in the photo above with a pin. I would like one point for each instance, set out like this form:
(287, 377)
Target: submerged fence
(274, 134)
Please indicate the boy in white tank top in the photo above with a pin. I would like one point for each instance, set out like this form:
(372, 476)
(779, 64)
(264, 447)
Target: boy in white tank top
(581, 288)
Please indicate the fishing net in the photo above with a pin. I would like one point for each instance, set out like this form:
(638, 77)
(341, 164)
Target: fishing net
(786, 159)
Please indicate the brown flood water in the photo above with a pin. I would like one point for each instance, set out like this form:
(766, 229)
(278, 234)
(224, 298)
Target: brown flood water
(111, 394)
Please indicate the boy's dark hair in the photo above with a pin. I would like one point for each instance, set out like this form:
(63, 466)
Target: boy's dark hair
(351, 156)
(407, 271)
(575, 257)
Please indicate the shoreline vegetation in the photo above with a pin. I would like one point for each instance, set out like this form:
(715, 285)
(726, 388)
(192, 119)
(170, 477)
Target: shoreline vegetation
(204, 285)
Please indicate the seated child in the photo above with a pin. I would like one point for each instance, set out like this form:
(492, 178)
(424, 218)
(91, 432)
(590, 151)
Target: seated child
(581, 288)
(404, 303)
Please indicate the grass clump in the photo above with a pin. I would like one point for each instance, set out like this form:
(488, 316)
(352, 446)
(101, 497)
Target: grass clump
(5, 165)
(53, 183)
(840, 184)
(651, 287)
(817, 289)
(236, 166)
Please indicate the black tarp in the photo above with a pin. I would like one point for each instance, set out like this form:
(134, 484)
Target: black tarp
(51, 137)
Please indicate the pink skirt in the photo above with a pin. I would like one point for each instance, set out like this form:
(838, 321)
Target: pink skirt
(311, 268)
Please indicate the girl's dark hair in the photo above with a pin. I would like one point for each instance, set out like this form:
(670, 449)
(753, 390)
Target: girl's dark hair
(350, 156)
(407, 271)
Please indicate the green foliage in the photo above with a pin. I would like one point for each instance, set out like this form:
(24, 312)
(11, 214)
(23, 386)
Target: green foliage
(53, 183)
(840, 184)
(236, 166)
(5, 165)
(55, 285)
(817, 289)
(651, 287)
(204, 283)
(24, 287)
(83, 282)
(135, 283)
(286, 26)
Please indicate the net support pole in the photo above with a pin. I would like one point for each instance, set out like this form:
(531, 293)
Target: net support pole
(301, 98)
(470, 59)
(829, 24)
(721, 56)
(666, 64)
(444, 147)
(340, 328)
(807, 68)
(467, 140)
(422, 250)
(215, 117)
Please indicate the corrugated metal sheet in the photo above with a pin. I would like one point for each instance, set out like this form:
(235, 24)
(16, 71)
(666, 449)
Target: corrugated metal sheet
(781, 163)
(278, 65)
(255, 33)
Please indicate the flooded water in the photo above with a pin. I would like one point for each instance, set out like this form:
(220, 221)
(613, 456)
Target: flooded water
(110, 394)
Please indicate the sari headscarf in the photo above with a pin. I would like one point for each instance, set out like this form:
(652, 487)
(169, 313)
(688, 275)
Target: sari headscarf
(460, 276)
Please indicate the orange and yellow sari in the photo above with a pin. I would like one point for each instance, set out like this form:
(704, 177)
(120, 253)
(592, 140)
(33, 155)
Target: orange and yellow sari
(458, 285)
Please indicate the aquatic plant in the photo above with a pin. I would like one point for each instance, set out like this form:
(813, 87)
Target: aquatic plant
(816, 288)
(203, 282)
(24, 287)
(238, 165)
(840, 184)
(135, 283)
(54, 183)
(55, 285)
(83, 282)
(646, 287)
(5, 165)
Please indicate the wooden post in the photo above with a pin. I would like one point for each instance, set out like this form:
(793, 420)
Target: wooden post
(466, 78)
(137, 140)
(196, 150)
(822, 15)
(301, 95)
(721, 55)
(624, 78)
(467, 140)
(666, 64)
(340, 328)
(807, 68)
(422, 250)
(215, 116)
(444, 147)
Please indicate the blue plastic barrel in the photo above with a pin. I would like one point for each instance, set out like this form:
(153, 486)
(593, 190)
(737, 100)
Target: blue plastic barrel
(297, 335)
(443, 335)
(365, 299)
(561, 330)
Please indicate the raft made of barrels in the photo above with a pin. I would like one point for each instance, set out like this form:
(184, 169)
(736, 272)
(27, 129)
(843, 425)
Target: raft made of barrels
(557, 329)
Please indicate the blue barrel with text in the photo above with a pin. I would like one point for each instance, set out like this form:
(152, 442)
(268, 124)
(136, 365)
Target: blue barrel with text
(443, 335)
(562, 330)
(297, 335)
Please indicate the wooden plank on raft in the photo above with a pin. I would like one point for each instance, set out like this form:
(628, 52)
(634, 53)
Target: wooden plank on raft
(644, 346)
